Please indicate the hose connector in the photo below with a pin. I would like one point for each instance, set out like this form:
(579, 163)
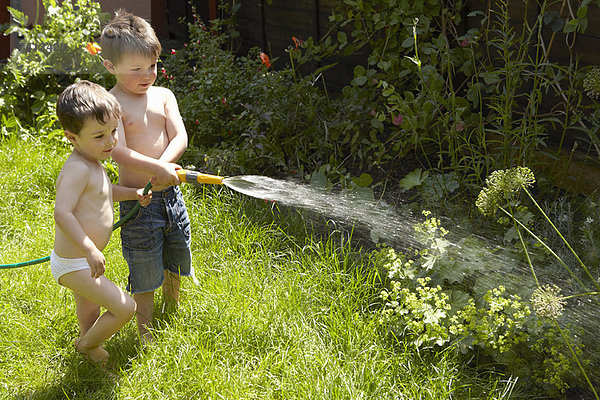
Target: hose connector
(188, 176)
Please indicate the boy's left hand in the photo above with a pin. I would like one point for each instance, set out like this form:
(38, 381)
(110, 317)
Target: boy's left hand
(143, 199)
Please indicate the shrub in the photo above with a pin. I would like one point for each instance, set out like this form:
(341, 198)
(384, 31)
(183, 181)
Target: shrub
(49, 57)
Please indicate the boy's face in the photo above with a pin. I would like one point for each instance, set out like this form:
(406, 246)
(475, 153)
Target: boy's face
(95, 141)
(135, 72)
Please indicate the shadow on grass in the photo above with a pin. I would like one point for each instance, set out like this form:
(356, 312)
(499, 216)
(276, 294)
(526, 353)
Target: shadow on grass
(78, 379)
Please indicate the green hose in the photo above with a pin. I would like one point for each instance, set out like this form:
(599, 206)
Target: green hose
(118, 224)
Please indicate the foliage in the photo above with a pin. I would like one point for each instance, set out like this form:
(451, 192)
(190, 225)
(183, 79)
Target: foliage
(465, 102)
(244, 116)
(50, 56)
(500, 192)
(429, 305)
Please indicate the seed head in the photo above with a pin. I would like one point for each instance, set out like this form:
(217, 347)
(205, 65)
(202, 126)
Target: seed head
(500, 184)
(591, 82)
(547, 302)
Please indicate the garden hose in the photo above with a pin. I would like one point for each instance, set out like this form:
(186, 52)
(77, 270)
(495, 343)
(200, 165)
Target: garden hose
(184, 175)
(120, 222)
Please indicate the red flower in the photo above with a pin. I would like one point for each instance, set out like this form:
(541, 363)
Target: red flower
(173, 51)
(297, 42)
(93, 48)
(398, 120)
(265, 60)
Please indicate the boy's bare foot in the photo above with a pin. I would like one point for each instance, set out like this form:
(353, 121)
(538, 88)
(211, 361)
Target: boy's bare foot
(96, 355)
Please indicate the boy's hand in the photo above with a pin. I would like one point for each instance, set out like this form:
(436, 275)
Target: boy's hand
(97, 263)
(144, 199)
(166, 176)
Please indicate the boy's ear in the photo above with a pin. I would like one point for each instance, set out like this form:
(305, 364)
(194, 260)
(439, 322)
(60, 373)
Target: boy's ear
(109, 66)
(71, 137)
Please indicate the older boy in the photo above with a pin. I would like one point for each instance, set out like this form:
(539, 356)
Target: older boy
(84, 216)
(157, 244)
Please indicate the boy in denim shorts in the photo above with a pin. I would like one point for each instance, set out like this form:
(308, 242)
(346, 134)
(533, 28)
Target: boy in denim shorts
(156, 244)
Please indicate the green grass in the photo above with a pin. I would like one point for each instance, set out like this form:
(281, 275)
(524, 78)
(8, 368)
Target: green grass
(278, 313)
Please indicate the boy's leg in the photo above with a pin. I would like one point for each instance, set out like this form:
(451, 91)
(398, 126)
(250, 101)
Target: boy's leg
(145, 308)
(170, 288)
(120, 308)
(87, 313)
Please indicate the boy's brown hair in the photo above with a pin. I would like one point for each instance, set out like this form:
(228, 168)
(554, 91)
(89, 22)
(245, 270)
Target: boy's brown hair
(128, 33)
(83, 100)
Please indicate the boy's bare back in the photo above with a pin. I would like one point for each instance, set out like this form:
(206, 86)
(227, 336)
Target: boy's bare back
(84, 188)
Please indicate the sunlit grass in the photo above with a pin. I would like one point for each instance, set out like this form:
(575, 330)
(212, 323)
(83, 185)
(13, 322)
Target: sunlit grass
(278, 312)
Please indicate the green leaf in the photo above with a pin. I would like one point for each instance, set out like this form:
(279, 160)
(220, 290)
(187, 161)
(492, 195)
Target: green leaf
(490, 77)
(318, 179)
(359, 80)
(414, 178)
(18, 16)
(325, 68)
(363, 180)
(570, 26)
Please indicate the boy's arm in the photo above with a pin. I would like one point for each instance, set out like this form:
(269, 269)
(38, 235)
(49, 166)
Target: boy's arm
(68, 191)
(121, 193)
(165, 173)
(178, 138)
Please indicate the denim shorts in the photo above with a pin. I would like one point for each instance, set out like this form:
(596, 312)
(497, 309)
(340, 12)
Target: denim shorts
(157, 239)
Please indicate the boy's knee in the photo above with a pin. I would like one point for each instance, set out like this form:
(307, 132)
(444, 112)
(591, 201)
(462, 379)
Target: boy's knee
(127, 310)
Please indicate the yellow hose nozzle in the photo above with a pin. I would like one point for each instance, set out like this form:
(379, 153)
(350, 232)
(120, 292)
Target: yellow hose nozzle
(188, 176)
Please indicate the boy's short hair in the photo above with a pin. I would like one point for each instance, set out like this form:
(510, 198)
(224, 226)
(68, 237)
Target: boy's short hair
(83, 100)
(127, 33)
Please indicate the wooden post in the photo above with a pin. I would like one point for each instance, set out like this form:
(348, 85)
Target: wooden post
(212, 9)
(158, 17)
(4, 40)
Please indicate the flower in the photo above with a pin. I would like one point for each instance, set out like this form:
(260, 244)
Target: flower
(398, 120)
(591, 82)
(173, 51)
(93, 48)
(297, 42)
(547, 302)
(500, 184)
(265, 60)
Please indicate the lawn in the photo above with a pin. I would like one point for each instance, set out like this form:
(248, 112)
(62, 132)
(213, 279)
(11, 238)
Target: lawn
(278, 311)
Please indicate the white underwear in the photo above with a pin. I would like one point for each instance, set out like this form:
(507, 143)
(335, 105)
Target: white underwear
(60, 266)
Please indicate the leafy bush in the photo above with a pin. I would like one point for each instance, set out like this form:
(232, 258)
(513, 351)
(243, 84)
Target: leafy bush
(49, 57)
(431, 302)
(246, 117)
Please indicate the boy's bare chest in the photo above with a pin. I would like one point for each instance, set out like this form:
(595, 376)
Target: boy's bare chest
(144, 118)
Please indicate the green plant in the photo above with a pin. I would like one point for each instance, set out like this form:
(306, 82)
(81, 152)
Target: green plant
(433, 298)
(242, 112)
(49, 56)
(501, 193)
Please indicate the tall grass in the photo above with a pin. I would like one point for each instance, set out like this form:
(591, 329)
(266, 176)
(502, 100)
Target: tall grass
(277, 311)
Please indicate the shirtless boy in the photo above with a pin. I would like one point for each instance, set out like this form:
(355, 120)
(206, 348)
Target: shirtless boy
(84, 216)
(156, 245)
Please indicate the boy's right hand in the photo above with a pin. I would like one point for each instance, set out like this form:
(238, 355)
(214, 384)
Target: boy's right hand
(97, 262)
(166, 176)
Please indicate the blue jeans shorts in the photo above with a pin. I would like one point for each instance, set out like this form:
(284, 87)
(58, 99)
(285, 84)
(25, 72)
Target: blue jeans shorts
(157, 239)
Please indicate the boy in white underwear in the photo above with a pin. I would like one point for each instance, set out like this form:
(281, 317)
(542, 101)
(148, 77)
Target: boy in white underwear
(84, 216)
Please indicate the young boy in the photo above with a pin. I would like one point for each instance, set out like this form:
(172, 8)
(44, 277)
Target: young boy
(156, 245)
(84, 216)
